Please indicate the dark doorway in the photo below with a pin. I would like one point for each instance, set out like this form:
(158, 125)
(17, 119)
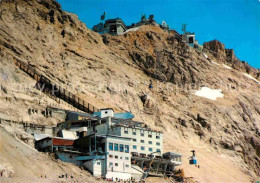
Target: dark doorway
(191, 40)
(113, 29)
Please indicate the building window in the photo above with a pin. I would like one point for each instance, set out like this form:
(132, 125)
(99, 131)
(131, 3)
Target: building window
(121, 148)
(110, 164)
(134, 147)
(150, 136)
(126, 158)
(110, 156)
(157, 137)
(142, 148)
(158, 143)
(126, 132)
(142, 134)
(111, 146)
(134, 133)
(116, 157)
(150, 142)
(134, 140)
(98, 163)
(151, 149)
(158, 150)
(142, 141)
(127, 166)
(115, 147)
(127, 148)
(116, 164)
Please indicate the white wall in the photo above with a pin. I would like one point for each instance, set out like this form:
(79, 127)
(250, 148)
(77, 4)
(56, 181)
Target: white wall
(121, 161)
(146, 139)
(96, 167)
(106, 113)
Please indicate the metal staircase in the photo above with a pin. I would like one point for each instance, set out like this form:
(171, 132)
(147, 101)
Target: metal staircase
(55, 91)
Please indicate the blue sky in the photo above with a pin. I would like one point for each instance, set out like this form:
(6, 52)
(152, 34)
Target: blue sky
(236, 23)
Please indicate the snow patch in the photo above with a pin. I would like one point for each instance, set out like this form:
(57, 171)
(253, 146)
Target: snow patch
(132, 29)
(227, 67)
(209, 93)
(251, 77)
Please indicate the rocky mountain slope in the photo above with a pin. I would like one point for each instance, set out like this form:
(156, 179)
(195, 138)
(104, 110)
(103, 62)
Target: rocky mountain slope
(115, 71)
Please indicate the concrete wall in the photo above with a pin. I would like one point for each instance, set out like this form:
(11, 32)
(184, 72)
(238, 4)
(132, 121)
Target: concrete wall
(102, 129)
(120, 29)
(68, 157)
(52, 131)
(106, 113)
(115, 131)
(45, 145)
(96, 167)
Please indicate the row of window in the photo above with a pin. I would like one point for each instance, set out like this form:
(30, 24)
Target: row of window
(142, 134)
(143, 148)
(149, 142)
(116, 157)
(116, 164)
(119, 147)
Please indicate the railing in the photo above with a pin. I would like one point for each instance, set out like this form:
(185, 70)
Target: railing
(25, 124)
(177, 35)
(54, 90)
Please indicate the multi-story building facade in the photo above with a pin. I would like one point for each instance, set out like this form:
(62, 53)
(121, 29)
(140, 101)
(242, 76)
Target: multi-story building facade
(118, 158)
(143, 140)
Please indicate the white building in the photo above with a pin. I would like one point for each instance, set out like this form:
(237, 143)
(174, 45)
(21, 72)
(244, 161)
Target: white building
(116, 148)
(118, 158)
(109, 156)
(143, 140)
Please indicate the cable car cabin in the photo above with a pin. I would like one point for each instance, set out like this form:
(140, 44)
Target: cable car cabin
(193, 161)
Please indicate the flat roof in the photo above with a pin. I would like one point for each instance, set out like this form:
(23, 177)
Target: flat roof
(60, 138)
(133, 124)
(106, 109)
(107, 135)
(171, 153)
(163, 161)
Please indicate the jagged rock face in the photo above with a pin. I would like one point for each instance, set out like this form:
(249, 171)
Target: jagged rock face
(65, 51)
(215, 46)
(228, 56)
(160, 55)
